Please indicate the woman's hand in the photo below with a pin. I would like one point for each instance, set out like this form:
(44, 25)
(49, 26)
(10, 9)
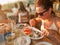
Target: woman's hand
(32, 22)
(45, 32)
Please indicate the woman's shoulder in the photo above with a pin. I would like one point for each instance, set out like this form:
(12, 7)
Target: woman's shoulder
(57, 21)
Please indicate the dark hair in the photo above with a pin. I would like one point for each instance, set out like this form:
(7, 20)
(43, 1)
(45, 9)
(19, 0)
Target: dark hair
(46, 4)
(15, 5)
(0, 7)
(28, 5)
(22, 8)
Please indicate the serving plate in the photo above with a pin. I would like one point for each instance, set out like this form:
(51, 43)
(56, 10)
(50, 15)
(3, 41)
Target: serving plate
(35, 33)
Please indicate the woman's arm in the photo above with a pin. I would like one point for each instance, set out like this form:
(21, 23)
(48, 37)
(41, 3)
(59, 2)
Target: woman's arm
(58, 24)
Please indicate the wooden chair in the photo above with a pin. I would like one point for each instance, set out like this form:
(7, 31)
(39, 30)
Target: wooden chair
(24, 19)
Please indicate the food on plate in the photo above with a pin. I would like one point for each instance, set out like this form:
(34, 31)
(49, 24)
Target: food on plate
(31, 33)
(27, 31)
(35, 34)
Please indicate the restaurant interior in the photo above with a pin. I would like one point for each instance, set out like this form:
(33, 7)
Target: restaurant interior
(15, 28)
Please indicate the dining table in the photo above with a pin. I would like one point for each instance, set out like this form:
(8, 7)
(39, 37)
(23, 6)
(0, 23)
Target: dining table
(53, 38)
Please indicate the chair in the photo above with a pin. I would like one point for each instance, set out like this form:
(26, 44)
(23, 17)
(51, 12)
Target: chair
(23, 18)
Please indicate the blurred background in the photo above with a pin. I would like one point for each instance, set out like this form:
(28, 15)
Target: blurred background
(9, 4)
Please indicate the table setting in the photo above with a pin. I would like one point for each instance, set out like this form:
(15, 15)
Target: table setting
(36, 35)
(31, 35)
(24, 34)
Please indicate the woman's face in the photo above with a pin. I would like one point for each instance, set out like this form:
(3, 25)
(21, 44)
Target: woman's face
(43, 13)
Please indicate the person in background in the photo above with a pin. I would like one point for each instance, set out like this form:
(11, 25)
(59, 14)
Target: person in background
(22, 12)
(44, 11)
(28, 8)
(14, 13)
(2, 13)
(15, 9)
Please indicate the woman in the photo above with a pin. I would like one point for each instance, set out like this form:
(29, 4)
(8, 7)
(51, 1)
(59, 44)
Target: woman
(22, 12)
(28, 8)
(44, 11)
(15, 9)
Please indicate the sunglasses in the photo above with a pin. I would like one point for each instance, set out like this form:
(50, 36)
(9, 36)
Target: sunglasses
(41, 14)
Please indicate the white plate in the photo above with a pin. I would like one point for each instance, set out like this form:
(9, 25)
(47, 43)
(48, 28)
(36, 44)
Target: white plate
(23, 40)
(43, 43)
(36, 30)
